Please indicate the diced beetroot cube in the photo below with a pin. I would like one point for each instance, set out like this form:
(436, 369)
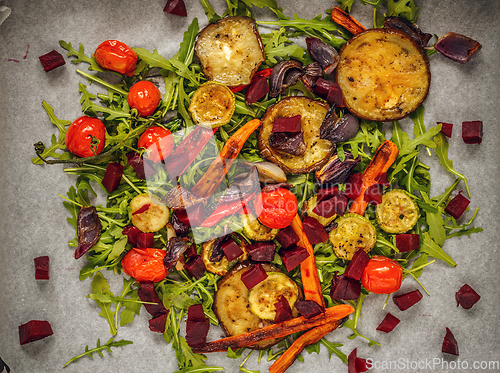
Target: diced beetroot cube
(289, 124)
(314, 230)
(335, 205)
(176, 7)
(287, 237)
(326, 193)
(334, 96)
(157, 324)
(446, 128)
(383, 179)
(195, 267)
(42, 268)
(405, 301)
(196, 313)
(309, 308)
(253, 276)
(180, 228)
(356, 364)
(196, 332)
(131, 231)
(472, 132)
(293, 257)
(357, 265)
(33, 331)
(407, 242)
(231, 249)
(262, 251)
(135, 160)
(345, 288)
(457, 206)
(147, 293)
(191, 251)
(388, 323)
(353, 186)
(52, 60)
(450, 345)
(466, 297)
(283, 310)
(373, 194)
(112, 176)
(258, 88)
(192, 216)
(145, 240)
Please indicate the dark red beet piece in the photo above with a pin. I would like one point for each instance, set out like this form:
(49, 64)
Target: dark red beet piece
(382, 179)
(258, 88)
(345, 288)
(147, 293)
(457, 206)
(231, 249)
(472, 132)
(176, 7)
(145, 240)
(180, 228)
(131, 231)
(450, 345)
(293, 257)
(42, 268)
(135, 160)
(195, 267)
(197, 326)
(191, 251)
(196, 313)
(356, 364)
(112, 176)
(157, 324)
(466, 297)
(289, 124)
(405, 301)
(314, 230)
(373, 194)
(353, 186)
(287, 237)
(388, 323)
(52, 60)
(253, 276)
(357, 265)
(309, 308)
(33, 331)
(89, 230)
(262, 251)
(446, 128)
(283, 310)
(326, 193)
(407, 242)
(192, 216)
(334, 96)
(332, 206)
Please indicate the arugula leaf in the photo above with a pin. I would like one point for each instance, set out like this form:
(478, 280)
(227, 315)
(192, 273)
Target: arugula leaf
(346, 4)
(418, 118)
(403, 8)
(99, 348)
(131, 307)
(80, 54)
(430, 247)
(277, 44)
(100, 286)
(209, 11)
(333, 349)
(153, 59)
(435, 222)
(185, 53)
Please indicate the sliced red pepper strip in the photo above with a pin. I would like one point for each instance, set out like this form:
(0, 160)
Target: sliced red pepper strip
(144, 208)
(265, 73)
(224, 210)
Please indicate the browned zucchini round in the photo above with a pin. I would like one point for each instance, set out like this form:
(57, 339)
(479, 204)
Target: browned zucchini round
(230, 50)
(317, 152)
(221, 267)
(384, 74)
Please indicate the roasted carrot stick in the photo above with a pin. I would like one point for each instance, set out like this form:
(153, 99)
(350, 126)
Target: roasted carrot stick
(215, 174)
(308, 270)
(308, 338)
(279, 330)
(346, 21)
(383, 158)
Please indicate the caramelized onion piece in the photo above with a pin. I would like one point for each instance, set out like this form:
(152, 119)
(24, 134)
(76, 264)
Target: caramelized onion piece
(284, 75)
(458, 47)
(339, 129)
(269, 172)
(409, 28)
(180, 198)
(175, 248)
(89, 230)
(313, 71)
(337, 171)
(288, 142)
(323, 53)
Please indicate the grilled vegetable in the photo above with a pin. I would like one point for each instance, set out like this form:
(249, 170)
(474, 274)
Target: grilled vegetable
(221, 266)
(256, 231)
(230, 50)
(384, 74)
(311, 204)
(149, 214)
(212, 105)
(352, 233)
(397, 213)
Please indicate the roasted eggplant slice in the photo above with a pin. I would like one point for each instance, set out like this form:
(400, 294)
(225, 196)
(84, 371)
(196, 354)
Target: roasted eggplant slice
(384, 74)
(230, 50)
(312, 115)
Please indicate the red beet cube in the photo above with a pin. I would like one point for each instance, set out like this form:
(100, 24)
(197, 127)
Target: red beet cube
(446, 128)
(293, 257)
(457, 206)
(131, 231)
(289, 124)
(356, 364)
(176, 7)
(135, 160)
(254, 276)
(192, 216)
(112, 176)
(52, 60)
(262, 251)
(472, 132)
(353, 186)
(357, 265)
(373, 194)
(287, 237)
(33, 331)
(145, 240)
(388, 323)
(345, 288)
(191, 251)
(283, 310)
(405, 301)
(196, 313)
(407, 242)
(326, 193)
(450, 345)
(466, 297)
(328, 208)
(383, 179)
(147, 293)
(309, 308)
(258, 88)
(157, 324)
(42, 268)
(314, 230)
(195, 267)
(196, 332)
(231, 249)
(334, 96)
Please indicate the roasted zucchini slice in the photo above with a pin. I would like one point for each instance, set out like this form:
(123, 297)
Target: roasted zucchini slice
(149, 214)
(212, 105)
(311, 204)
(398, 212)
(384, 74)
(353, 231)
(230, 50)
(317, 152)
(254, 230)
(222, 266)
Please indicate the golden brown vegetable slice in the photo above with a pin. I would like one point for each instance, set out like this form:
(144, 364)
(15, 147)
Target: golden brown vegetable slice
(384, 75)
(353, 232)
(312, 115)
(212, 105)
(230, 50)
(222, 266)
(149, 214)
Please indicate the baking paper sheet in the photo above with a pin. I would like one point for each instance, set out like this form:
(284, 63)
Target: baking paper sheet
(33, 219)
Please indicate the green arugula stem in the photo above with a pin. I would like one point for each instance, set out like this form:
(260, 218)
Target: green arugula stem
(103, 83)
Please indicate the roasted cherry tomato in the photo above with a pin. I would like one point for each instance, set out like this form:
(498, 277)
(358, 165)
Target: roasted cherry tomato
(158, 142)
(276, 208)
(145, 264)
(382, 275)
(116, 56)
(145, 97)
(85, 137)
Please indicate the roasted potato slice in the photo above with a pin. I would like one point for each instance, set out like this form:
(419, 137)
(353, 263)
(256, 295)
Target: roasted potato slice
(384, 74)
(318, 151)
(230, 50)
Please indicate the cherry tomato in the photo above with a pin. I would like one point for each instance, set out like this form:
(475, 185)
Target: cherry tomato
(116, 56)
(276, 208)
(145, 264)
(85, 137)
(158, 142)
(382, 275)
(145, 97)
